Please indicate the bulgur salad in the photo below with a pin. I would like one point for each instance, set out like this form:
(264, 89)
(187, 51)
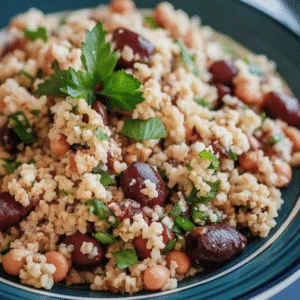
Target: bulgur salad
(136, 148)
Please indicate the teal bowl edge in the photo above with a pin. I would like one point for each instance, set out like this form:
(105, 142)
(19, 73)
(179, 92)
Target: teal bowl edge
(279, 261)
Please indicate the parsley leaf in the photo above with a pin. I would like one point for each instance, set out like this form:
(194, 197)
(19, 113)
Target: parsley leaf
(170, 246)
(196, 214)
(263, 116)
(52, 85)
(35, 112)
(104, 237)
(122, 90)
(5, 250)
(184, 223)
(141, 130)
(149, 20)
(177, 231)
(11, 166)
(39, 33)
(21, 126)
(125, 258)
(187, 59)
(105, 178)
(202, 102)
(98, 208)
(232, 155)
(206, 154)
(214, 188)
(188, 166)
(100, 135)
(176, 211)
(276, 138)
(97, 57)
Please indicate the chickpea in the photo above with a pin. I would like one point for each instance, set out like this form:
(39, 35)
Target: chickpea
(248, 92)
(12, 266)
(72, 163)
(61, 264)
(249, 161)
(59, 147)
(155, 277)
(182, 260)
(284, 173)
(122, 6)
(293, 134)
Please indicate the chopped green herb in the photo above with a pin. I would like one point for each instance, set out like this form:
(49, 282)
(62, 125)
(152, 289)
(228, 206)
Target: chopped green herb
(254, 68)
(177, 231)
(163, 175)
(74, 110)
(263, 116)
(188, 166)
(11, 166)
(276, 138)
(219, 219)
(31, 161)
(35, 112)
(227, 49)
(21, 126)
(98, 208)
(104, 237)
(85, 127)
(170, 246)
(100, 135)
(202, 102)
(39, 33)
(184, 223)
(141, 130)
(232, 155)
(63, 20)
(151, 22)
(105, 177)
(27, 75)
(125, 258)
(4, 251)
(187, 59)
(206, 154)
(176, 211)
(244, 207)
(40, 73)
(196, 214)
(63, 192)
(55, 65)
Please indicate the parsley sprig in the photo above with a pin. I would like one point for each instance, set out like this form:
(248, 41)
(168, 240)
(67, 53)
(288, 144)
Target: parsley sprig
(121, 88)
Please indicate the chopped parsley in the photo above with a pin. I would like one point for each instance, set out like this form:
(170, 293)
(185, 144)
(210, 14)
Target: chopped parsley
(11, 166)
(253, 68)
(163, 175)
(100, 135)
(177, 231)
(39, 33)
(196, 214)
(184, 223)
(27, 75)
(176, 211)
(263, 116)
(276, 138)
(98, 208)
(149, 20)
(187, 59)
(232, 155)
(31, 161)
(170, 246)
(5, 250)
(206, 154)
(121, 88)
(125, 258)
(188, 166)
(21, 126)
(105, 177)
(35, 112)
(104, 237)
(202, 102)
(40, 73)
(141, 130)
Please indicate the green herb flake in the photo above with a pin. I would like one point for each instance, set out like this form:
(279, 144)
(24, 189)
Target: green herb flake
(100, 135)
(39, 33)
(253, 68)
(263, 116)
(98, 208)
(5, 250)
(187, 59)
(104, 237)
(63, 20)
(27, 75)
(163, 175)
(141, 130)
(31, 161)
(11, 166)
(85, 127)
(125, 258)
(207, 155)
(244, 207)
(170, 246)
(188, 166)
(184, 223)
(177, 231)
(232, 155)
(196, 214)
(149, 20)
(35, 112)
(63, 192)
(276, 138)
(202, 102)
(40, 73)
(21, 126)
(176, 211)
(105, 177)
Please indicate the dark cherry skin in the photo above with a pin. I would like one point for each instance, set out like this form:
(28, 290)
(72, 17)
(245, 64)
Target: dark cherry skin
(9, 140)
(99, 108)
(140, 46)
(129, 208)
(12, 212)
(132, 182)
(222, 90)
(80, 260)
(223, 71)
(214, 244)
(282, 106)
(140, 244)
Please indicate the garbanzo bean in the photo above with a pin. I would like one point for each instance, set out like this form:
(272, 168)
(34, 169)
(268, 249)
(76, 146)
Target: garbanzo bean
(60, 262)
(249, 161)
(12, 266)
(182, 260)
(155, 277)
(284, 173)
(122, 6)
(59, 147)
(248, 92)
(293, 135)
